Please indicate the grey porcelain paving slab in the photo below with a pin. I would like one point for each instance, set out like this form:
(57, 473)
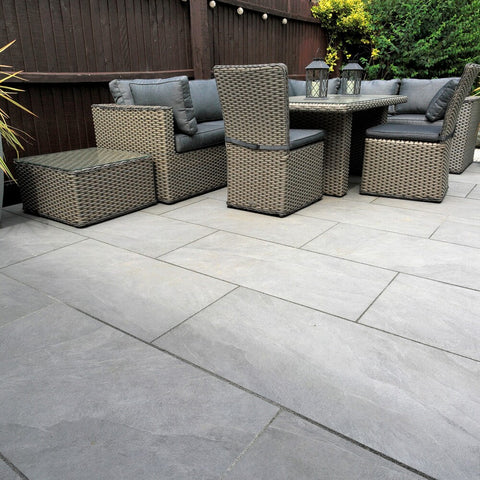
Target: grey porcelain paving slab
(22, 238)
(328, 284)
(416, 404)
(459, 232)
(455, 264)
(139, 295)
(353, 195)
(451, 206)
(375, 216)
(292, 230)
(149, 235)
(434, 313)
(471, 174)
(17, 300)
(81, 401)
(459, 189)
(6, 473)
(291, 448)
(475, 193)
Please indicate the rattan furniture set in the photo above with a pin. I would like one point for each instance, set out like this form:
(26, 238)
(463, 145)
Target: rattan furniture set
(170, 139)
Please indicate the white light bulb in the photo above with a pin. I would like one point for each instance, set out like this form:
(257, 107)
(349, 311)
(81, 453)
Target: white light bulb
(240, 10)
(284, 21)
(212, 4)
(264, 16)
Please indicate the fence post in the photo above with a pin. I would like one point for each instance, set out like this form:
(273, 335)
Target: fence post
(202, 38)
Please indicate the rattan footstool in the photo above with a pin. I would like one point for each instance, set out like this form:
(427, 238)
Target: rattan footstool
(82, 187)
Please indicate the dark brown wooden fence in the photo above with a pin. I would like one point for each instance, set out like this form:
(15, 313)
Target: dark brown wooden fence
(70, 49)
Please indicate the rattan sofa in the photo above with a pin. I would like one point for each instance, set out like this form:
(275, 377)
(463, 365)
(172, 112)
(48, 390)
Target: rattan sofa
(178, 122)
(411, 160)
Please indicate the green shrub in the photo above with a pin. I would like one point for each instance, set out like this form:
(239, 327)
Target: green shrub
(422, 38)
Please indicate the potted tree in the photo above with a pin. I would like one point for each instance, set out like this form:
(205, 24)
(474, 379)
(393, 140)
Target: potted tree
(8, 133)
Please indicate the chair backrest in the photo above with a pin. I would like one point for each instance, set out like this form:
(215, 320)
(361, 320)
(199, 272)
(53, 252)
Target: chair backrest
(470, 73)
(254, 101)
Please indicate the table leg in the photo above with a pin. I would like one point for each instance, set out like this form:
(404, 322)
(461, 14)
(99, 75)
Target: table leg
(338, 128)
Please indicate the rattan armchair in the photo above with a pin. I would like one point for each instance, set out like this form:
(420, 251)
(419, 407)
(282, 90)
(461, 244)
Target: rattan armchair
(412, 161)
(150, 129)
(271, 168)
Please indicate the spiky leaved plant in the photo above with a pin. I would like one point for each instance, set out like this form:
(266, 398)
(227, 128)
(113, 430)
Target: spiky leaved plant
(9, 133)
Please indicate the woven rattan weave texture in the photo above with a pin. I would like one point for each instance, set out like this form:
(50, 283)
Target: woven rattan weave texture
(149, 129)
(403, 169)
(82, 187)
(275, 180)
(465, 137)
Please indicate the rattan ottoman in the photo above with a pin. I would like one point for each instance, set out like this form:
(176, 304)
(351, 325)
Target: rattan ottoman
(82, 187)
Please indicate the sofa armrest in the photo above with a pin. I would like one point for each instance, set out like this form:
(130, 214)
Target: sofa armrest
(136, 128)
(465, 135)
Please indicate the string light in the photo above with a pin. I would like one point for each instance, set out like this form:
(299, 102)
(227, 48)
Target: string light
(212, 4)
(240, 10)
(264, 16)
(284, 21)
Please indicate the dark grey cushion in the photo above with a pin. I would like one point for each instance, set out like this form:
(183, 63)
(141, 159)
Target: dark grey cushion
(333, 85)
(120, 89)
(420, 93)
(412, 119)
(208, 134)
(439, 103)
(171, 92)
(206, 102)
(300, 137)
(298, 88)
(380, 87)
(398, 131)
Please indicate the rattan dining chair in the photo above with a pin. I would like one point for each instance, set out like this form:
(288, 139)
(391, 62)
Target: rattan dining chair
(412, 161)
(271, 168)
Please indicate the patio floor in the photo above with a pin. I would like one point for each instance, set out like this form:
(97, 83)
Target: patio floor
(193, 341)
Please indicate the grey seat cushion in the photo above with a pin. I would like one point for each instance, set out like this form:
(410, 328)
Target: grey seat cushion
(439, 103)
(209, 134)
(420, 93)
(404, 131)
(171, 92)
(300, 137)
(206, 102)
(412, 119)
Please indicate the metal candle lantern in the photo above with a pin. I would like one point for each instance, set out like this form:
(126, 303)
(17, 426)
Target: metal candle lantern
(317, 78)
(351, 79)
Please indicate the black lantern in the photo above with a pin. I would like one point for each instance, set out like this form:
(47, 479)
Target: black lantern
(317, 78)
(351, 79)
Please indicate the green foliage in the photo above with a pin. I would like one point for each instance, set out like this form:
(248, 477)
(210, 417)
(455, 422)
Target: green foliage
(8, 133)
(422, 38)
(347, 24)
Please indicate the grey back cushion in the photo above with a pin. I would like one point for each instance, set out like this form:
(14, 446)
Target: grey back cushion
(205, 99)
(298, 88)
(380, 87)
(438, 106)
(420, 93)
(120, 89)
(171, 92)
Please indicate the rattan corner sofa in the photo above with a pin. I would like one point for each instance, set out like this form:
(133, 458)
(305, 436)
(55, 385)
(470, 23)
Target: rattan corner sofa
(176, 121)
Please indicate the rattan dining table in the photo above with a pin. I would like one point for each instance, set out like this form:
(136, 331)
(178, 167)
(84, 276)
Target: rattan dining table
(345, 119)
